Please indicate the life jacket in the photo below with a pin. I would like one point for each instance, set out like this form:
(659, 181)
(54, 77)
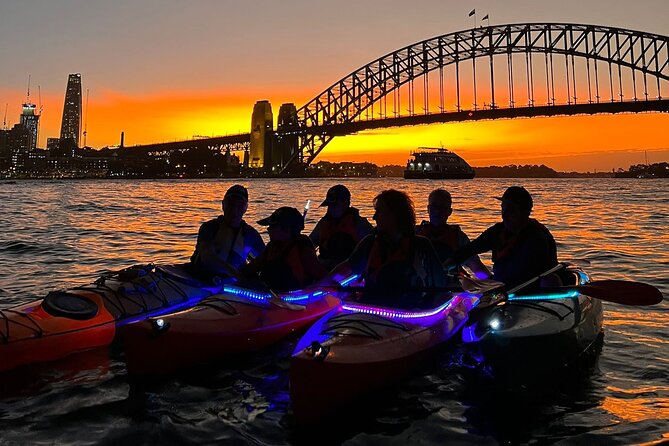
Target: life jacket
(444, 238)
(229, 243)
(282, 268)
(338, 237)
(508, 240)
(392, 271)
(233, 251)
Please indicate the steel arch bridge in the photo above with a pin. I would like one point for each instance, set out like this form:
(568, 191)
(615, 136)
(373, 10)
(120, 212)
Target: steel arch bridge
(593, 62)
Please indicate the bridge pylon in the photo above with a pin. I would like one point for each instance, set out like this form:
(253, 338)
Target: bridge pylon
(262, 131)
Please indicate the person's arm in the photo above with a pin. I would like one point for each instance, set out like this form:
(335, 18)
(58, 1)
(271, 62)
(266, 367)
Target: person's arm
(256, 243)
(255, 265)
(312, 266)
(363, 227)
(474, 262)
(431, 263)
(355, 264)
(208, 257)
(482, 243)
(315, 235)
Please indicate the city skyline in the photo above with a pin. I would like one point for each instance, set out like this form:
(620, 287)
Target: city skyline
(154, 79)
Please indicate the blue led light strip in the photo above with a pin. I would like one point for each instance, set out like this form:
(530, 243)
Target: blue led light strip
(293, 296)
(565, 295)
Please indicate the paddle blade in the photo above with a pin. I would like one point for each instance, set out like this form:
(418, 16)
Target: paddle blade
(622, 292)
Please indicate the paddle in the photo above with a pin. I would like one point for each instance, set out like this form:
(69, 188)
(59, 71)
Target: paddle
(273, 297)
(306, 209)
(622, 292)
(492, 292)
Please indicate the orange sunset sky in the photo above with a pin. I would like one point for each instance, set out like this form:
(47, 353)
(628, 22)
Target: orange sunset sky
(164, 71)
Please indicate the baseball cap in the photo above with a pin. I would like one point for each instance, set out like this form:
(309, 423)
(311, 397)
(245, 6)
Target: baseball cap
(285, 216)
(519, 196)
(336, 193)
(237, 190)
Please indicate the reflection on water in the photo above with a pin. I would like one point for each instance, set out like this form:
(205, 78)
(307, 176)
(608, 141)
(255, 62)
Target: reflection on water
(637, 404)
(60, 234)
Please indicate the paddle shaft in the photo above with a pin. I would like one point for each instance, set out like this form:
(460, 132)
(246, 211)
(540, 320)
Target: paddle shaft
(617, 291)
(274, 298)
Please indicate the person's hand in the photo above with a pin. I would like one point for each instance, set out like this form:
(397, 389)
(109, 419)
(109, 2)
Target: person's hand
(328, 283)
(450, 267)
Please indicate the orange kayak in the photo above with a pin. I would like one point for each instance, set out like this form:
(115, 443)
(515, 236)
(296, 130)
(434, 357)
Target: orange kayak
(82, 318)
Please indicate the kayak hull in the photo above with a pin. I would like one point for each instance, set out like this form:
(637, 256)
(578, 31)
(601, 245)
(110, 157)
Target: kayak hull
(83, 318)
(218, 326)
(350, 353)
(526, 338)
(36, 336)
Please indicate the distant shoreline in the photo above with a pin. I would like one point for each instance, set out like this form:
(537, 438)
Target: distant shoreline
(369, 170)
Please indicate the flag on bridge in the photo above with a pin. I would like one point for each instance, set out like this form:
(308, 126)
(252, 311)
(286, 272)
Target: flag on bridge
(485, 17)
(472, 12)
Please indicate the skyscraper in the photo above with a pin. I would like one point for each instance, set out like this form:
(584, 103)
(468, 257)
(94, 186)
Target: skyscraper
(29, 120)
(71, 123)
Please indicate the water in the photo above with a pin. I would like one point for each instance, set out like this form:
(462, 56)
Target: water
(60, 234)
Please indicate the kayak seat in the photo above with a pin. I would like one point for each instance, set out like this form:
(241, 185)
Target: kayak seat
(568, 277)
(71, 306)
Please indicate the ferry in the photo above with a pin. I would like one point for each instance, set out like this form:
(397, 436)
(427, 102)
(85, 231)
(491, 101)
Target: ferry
(438, 164)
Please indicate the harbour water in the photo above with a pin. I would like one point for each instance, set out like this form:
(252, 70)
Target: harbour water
(59, 234)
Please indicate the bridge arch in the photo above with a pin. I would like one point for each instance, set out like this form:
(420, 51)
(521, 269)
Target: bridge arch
(346, 100)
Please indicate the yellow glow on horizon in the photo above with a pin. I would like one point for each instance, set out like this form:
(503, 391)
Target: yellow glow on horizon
(551, 141)
(581, 143)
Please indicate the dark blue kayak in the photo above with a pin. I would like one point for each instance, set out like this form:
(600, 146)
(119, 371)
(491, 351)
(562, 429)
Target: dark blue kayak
(530, 334)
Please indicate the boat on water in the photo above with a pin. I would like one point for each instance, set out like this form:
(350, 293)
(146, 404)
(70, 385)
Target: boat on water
(531, 334)
(86, 317)
(358, 349)
(437, 164)
(238, 320)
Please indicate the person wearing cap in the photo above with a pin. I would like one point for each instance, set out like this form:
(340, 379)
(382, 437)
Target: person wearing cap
(447, 238)
(225, 243)
(396, 264)
(289, 260)
(522, 248)
(340, 230)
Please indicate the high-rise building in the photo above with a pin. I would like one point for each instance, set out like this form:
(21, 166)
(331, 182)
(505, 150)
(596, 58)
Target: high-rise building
(29, 120)
(71, 124)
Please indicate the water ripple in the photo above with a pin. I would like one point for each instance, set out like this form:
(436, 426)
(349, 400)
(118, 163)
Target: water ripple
(58, 234)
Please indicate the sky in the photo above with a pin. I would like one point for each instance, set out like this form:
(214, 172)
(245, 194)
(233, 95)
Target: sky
(165, 70)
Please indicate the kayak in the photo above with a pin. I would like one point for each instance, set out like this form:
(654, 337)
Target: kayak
(86, 317)
(356, 349)
(238, 320)
(531, 333)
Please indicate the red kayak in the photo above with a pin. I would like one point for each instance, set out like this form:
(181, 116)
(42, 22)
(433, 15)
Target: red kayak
(82, 318)
(356, 349)
(235, 321)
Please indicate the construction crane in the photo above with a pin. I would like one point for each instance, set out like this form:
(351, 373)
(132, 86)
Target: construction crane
(39, 97)
(86, 118)
(4, 121)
